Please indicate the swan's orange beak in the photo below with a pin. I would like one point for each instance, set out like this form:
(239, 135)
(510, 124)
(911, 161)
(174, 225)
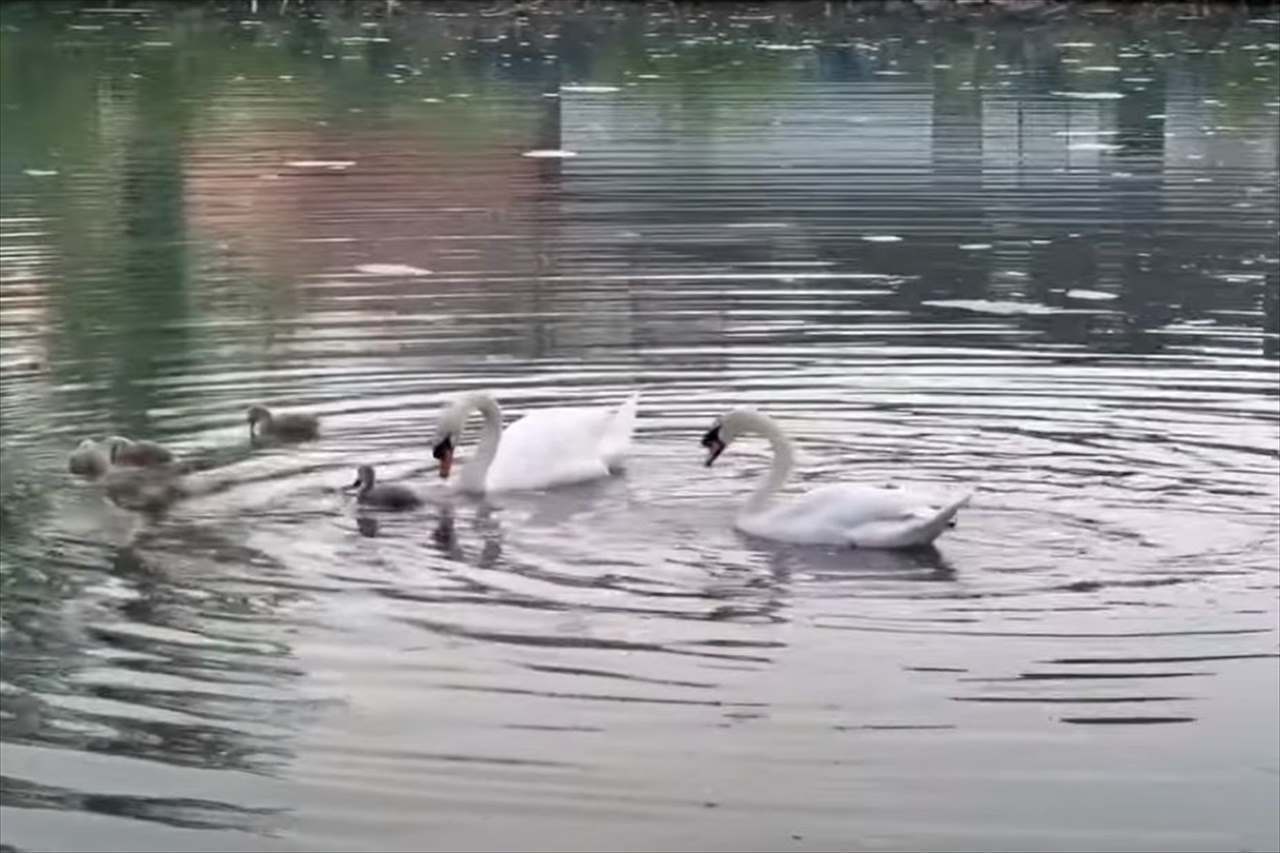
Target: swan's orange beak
(443, 453)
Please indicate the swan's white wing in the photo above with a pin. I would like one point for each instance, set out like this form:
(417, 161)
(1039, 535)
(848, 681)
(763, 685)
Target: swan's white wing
(848, 514)
(921, 528)
(550, 447)
(615, 444)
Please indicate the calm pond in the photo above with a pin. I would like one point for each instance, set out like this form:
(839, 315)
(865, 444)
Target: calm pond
(1028, 248)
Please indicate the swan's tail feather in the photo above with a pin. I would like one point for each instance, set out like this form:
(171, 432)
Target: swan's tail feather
(911, 533)
(616, 442)
(945, 518)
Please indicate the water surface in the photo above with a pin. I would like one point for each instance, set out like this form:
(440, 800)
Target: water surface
(1029, 248)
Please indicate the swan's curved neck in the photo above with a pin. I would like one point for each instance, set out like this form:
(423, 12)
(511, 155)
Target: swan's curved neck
(783, 457)
(476, 470)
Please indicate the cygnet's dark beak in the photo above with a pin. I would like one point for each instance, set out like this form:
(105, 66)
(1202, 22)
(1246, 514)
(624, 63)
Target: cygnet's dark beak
(443, 453)
(714, 444)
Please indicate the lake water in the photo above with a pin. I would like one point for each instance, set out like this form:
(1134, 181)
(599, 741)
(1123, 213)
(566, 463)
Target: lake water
(1026, 247)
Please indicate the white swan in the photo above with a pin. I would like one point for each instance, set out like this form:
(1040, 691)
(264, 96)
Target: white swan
(545, 448)
(859, 516)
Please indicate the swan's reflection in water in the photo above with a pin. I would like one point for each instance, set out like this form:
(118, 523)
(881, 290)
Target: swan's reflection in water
(485, 525)
(856, 565)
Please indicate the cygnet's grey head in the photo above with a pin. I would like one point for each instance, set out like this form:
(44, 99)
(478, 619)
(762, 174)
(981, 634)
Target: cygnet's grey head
(364, 477)
(258, 414)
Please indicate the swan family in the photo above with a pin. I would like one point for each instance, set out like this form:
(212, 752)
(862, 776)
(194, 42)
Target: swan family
(560, 446)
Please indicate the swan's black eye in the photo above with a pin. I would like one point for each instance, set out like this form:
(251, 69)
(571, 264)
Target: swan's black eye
(443, 449)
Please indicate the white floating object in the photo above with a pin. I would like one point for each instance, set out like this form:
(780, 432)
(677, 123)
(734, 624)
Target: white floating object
(40, 173)
(1093, 146)
(590, 90)
(336, 165)
(882, 238)
(550, 154)
(1091, 96)
(1096, 295)
(391, 269)
(975, 247)
(992, 306)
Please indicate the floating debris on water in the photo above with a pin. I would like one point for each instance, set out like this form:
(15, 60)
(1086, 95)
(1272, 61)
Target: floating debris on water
(391, 269)
(332, 165)
(1091, 96)
(993, 306)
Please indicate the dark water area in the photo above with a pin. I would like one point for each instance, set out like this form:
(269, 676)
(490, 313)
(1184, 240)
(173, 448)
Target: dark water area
(1028, 248)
